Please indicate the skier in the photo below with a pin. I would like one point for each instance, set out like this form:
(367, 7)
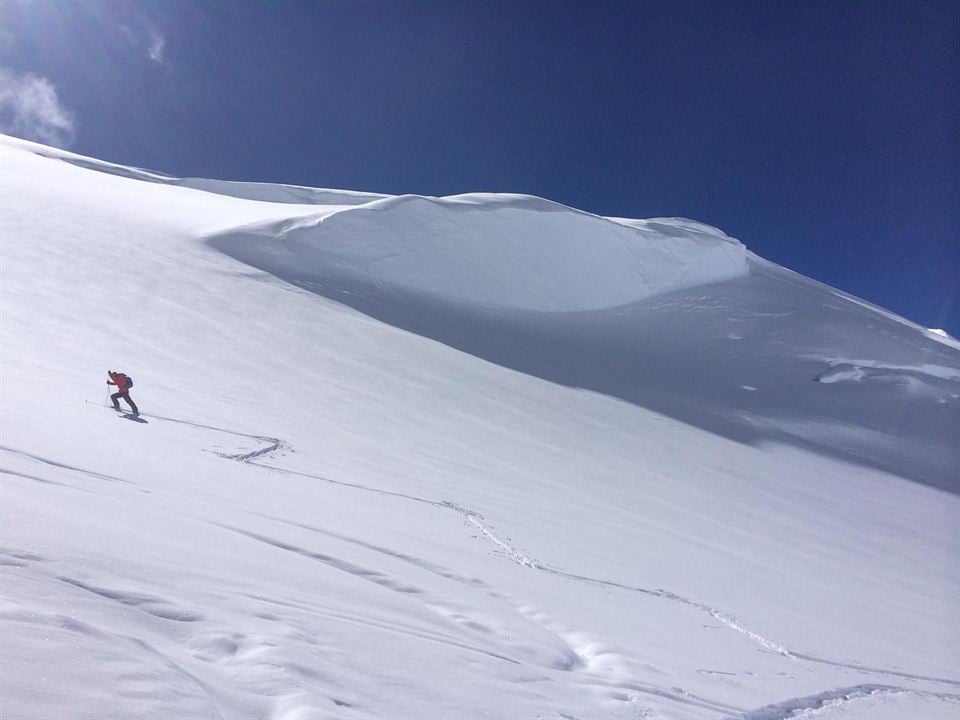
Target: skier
(123, 384)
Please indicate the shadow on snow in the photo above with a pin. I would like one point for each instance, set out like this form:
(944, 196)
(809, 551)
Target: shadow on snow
(727, 358)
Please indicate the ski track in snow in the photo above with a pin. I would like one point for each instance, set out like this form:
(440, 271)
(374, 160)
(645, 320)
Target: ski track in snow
(808, 706)
(602, 666)
(62, 466)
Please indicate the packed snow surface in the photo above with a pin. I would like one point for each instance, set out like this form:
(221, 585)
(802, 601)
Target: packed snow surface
(482, 456)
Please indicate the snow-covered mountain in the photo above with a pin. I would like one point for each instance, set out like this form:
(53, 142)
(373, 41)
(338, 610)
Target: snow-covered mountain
(483, 456)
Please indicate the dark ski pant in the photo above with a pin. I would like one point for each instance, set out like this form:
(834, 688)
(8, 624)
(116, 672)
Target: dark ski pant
(126, 396)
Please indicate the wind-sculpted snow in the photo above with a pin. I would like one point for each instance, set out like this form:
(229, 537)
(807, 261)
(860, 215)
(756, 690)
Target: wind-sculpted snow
(262, 192)
(505, 251)
(278, 193)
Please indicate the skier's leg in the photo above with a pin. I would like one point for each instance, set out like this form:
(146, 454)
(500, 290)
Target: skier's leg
(115, 399)
(131, 403)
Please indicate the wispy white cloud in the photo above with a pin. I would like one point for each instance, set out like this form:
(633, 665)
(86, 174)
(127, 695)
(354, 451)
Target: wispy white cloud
(158, 44)
(146, 39)
(30, 109)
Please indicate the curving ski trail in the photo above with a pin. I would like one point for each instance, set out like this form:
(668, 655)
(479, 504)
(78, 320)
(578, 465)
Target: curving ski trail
(515, 555)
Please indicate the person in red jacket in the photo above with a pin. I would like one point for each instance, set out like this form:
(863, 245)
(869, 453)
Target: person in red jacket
(123, 384)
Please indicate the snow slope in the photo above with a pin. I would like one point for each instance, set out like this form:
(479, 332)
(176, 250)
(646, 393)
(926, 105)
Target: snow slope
(470, 457)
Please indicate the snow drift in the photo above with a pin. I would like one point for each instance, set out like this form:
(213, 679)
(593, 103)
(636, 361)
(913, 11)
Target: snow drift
(509, 251)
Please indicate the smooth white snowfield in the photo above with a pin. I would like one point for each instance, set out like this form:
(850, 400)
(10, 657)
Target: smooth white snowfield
(374, 479)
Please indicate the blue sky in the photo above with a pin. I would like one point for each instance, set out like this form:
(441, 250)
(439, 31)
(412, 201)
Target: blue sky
(824, 135)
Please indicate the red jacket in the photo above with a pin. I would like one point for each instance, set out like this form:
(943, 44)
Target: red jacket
(120, 380)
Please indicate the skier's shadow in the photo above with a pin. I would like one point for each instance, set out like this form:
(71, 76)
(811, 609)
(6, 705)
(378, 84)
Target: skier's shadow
(134, 418)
